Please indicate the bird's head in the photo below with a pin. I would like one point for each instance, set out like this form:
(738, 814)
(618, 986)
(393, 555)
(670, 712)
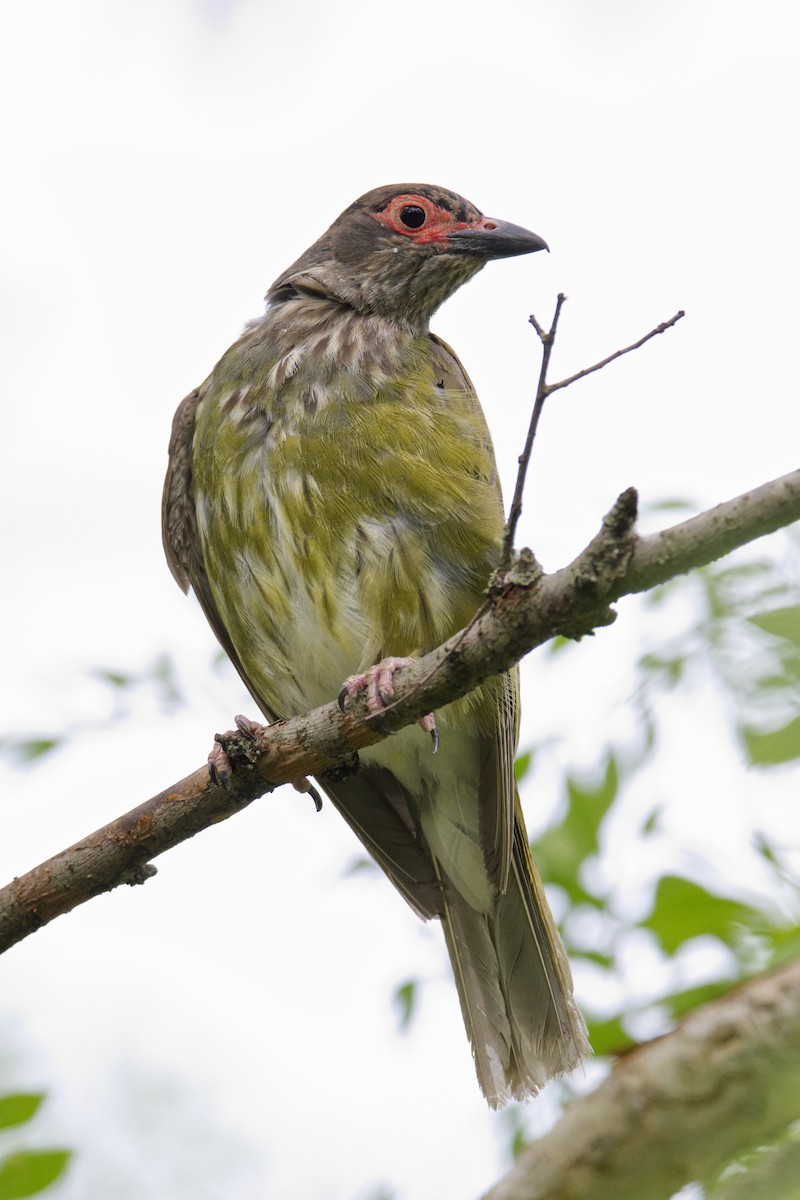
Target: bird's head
(401, 250)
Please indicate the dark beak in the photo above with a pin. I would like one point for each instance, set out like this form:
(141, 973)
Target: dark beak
(489, 238)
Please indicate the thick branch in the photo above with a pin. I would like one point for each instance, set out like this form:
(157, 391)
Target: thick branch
(525, 609)
(679, 1108)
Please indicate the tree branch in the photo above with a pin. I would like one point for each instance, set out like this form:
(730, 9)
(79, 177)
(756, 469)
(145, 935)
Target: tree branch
(598, 366)
(544, 389)
(679, 1108)
(547, 338)
(524, 609)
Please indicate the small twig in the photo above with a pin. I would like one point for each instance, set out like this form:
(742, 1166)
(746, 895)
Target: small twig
(547, 338)
(553, 387)
(543, 390)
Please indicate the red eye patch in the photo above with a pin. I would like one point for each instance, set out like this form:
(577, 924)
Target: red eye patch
(418, 218)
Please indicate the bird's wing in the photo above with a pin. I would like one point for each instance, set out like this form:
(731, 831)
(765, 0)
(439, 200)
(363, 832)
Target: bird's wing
(380, 811)
(179, 528)
(497, 788)
(372, 801)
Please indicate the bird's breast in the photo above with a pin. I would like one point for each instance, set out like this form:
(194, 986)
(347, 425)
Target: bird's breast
(347, 509)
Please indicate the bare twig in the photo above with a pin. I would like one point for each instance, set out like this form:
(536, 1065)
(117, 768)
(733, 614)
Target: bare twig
(528, 609)
(562, 383)
(547, 337)
(545, 389)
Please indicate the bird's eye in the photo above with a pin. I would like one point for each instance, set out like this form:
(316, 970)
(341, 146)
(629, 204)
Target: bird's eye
(412, 216)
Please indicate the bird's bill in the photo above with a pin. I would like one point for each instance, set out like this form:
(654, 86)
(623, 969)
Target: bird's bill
(490, 238)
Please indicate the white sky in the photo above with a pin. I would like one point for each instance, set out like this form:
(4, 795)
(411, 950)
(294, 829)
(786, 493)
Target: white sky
(162, 163)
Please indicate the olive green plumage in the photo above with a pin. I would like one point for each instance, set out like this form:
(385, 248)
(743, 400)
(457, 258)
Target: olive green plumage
(332, 498)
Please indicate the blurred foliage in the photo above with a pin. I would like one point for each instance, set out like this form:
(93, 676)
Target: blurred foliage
(158, 683)
(768, 1173)
(26, 1172)
(744, 635)
(405, 997)
(381, 1191)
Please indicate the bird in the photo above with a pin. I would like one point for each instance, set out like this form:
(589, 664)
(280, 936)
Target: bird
(332, 498)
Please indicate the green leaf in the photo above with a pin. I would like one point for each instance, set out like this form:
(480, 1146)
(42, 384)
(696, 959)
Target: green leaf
(784, 943)
(778, 746)
(670, 670)
(28, 1172)
(786, 679)
(561, 850)
(670, 504)
(114, 679)
(588, 806)
(764, 847)
(680, 1003)
(557, 644)
(781, 622)
(27, 750)
(652, 821)
(683, 910)
(405, 999)
(522, 764)
(359, 865)
(18, 1108)
(515, 1132)
(596, 956)
(661, 594)
(609, 1037)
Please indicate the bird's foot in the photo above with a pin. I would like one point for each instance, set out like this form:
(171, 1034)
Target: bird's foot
(428, 723)
(232, 750)
(220, 767)
(378, 681)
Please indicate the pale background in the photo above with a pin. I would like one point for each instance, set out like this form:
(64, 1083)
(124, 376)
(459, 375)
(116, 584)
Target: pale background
(162, 162)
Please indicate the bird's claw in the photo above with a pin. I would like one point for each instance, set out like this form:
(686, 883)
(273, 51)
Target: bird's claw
(378, 680)
(428, 723)
(306, 788)
(246, 727)
(220, 767)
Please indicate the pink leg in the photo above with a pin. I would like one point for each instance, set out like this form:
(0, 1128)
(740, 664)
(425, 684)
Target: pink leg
(221, 767)
(378, 681)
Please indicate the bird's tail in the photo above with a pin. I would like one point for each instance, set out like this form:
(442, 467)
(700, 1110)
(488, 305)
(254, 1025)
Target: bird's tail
(514, 984)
